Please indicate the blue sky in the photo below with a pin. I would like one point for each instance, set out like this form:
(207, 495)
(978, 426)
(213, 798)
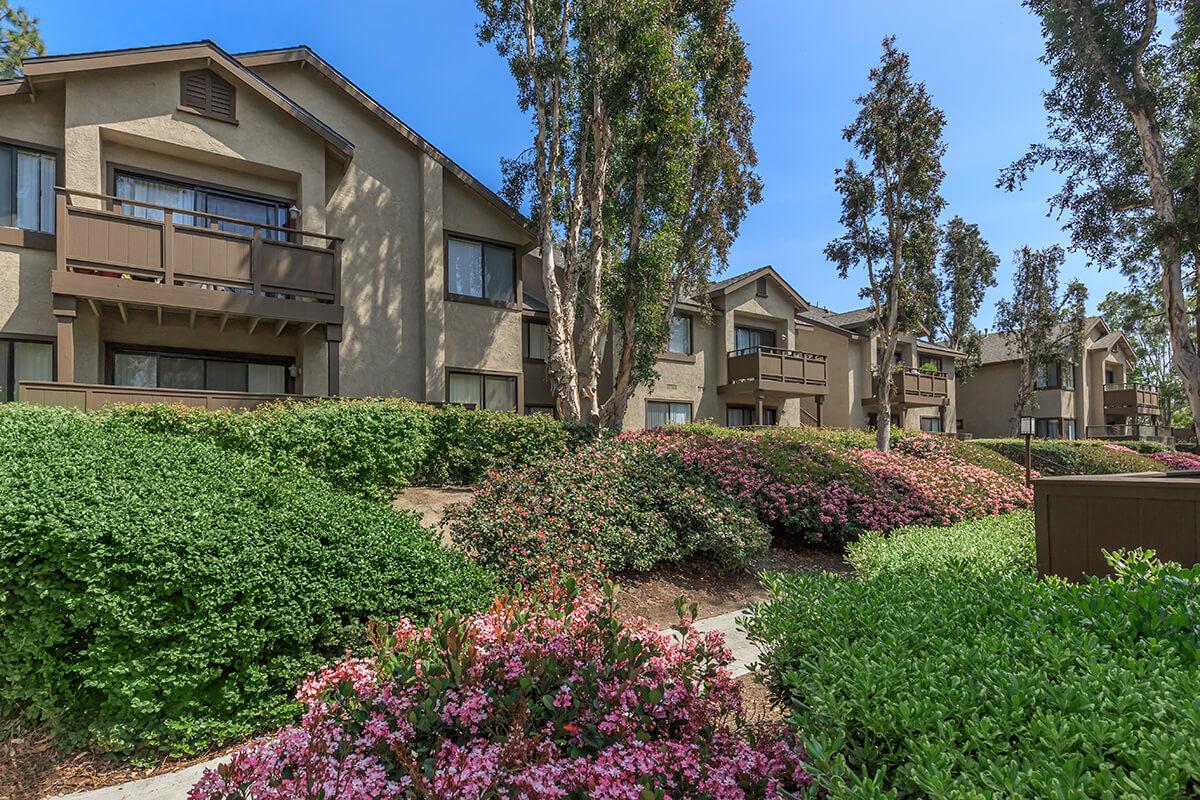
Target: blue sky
(810, 60)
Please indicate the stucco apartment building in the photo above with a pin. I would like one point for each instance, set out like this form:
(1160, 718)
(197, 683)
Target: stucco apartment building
(181, 224)
(1086, 395)
(226, 228)
(754, 351)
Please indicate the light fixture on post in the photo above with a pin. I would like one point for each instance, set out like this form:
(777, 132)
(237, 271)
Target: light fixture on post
(1027, 429)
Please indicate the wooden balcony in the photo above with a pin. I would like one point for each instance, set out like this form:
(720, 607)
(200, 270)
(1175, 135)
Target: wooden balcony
(1151, 432)
(772, 369)
(915, 387)
(1130, 400)
(108, 256)
(90, 397)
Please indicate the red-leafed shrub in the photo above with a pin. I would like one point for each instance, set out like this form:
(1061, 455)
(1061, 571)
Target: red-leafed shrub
(553, 699)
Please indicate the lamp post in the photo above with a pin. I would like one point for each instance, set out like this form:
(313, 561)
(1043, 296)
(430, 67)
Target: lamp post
(1027, 428)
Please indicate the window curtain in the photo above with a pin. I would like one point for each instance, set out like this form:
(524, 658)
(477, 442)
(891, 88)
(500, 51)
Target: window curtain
(681, 335)
(744, 338)
(464, 389)
(267, 378)
(539, 342)
(35, 191)
(255, 211)
(158, 193)
(465, 268)
(657, 414)
(498, 274)
(500, 394)
(135, 369)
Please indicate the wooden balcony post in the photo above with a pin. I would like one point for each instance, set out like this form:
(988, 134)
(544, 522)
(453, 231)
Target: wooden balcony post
(820, 406)
(168, 248)
(255, 251)
(758, 407)
(333, 341)
(60, 230)
(65, 310)
(337, 270)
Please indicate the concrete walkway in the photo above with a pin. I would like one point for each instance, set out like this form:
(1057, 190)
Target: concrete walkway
(744, 653)
(175, 785)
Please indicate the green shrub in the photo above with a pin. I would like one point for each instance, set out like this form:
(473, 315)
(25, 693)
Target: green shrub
(465, 444)
(1147, 446)
(1002, 544)
(615, 505)
(1065, 457)
(160, 592)
(971, 683)
(370, 447)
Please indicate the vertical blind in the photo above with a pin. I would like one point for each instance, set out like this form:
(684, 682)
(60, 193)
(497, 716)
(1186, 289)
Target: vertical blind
(26, 189)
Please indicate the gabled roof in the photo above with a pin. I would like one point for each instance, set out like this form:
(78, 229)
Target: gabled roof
(735, 282)
(996, 348)
(52, 66)
(305, 55)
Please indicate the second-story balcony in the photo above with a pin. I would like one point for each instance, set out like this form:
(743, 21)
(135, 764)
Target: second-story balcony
(918, 387)
(123, 252)
(773, 369)
(1130, 400)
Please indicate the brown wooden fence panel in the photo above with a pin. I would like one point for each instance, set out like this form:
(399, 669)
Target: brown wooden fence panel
(1080, 516)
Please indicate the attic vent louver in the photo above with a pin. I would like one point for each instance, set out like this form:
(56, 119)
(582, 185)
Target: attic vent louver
(205, 92)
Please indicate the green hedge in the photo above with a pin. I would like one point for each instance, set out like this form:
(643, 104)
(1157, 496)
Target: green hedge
(161, 592)
(371, 446)
(1064, 457)
(973, 683)
(1003, 544)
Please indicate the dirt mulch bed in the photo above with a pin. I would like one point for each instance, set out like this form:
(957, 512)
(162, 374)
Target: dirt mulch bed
(430, 502)
(652, 594)
(32, 766)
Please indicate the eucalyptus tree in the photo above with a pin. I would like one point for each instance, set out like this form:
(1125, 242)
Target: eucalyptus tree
(968, 267)
(1041, 326)
(1124, 129)
(1137, 313)
(640, 172)
(889, 206)
(20, 38)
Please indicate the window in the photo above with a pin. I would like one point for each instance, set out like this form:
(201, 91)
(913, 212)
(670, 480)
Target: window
(933, 363)
(659, 413)
(681, 335)
(214, 372)
(760, 287)
(491, 392)
(1048, 428)
(1055, 375)
(931, 424)
(478, 269)
(741, 416)
(1110, 375)
(748, 338)
(26, 189)
(189, 197)
(537, 341)
(547, 410)
(1069, 428)
(22, 360)
(206, 92)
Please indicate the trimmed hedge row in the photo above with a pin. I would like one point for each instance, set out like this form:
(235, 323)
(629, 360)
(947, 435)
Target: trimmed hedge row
(369, 446)
(1002, 544)
(1066, 457)
(158, 591)
(925, 679)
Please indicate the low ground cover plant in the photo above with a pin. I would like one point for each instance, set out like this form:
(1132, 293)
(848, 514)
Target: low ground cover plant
(1067, 457)
(612, 505)
(159, 592)
(1001, 544)
(965, 676)
(553, 699)
(370, 446)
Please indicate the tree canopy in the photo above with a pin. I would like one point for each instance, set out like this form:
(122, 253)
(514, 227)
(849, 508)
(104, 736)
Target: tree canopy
(20, 38)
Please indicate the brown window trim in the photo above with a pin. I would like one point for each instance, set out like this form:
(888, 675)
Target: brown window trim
(518, 302)
(213, 81)
(749, 408)
(19, 237)
(30, 240)
(5, 338)
(525, 339)
(495, 373)
(111, 348)
(114, 167)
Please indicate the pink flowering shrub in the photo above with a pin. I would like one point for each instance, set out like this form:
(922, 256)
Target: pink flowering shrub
(1171, 460)
(809, 487)
(528, 700)
(613, 505)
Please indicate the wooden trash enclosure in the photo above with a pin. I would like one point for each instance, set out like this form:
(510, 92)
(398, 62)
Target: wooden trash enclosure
(1079, 516)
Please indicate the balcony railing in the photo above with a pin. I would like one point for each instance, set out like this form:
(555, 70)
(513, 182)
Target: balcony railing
(186, 260)
(916, 387)
(90, 397)
(1149, 431)
(1130, 400)
(776, 369)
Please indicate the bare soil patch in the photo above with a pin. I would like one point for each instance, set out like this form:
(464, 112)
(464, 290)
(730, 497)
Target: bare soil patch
(430, 502)
(652, 594)
(32, 767)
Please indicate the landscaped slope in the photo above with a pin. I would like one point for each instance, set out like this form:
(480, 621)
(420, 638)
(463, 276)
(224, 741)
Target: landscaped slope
(157, 591)
(1066, 457)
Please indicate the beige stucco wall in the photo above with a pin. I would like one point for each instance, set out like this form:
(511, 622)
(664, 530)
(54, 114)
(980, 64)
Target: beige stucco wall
(393, 206)
(25, 304)
(985, 400)
(836, 409)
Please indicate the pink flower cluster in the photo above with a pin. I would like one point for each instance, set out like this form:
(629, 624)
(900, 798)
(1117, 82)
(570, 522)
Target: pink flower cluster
(803, 485)
(1169, 460)
(554, 699)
